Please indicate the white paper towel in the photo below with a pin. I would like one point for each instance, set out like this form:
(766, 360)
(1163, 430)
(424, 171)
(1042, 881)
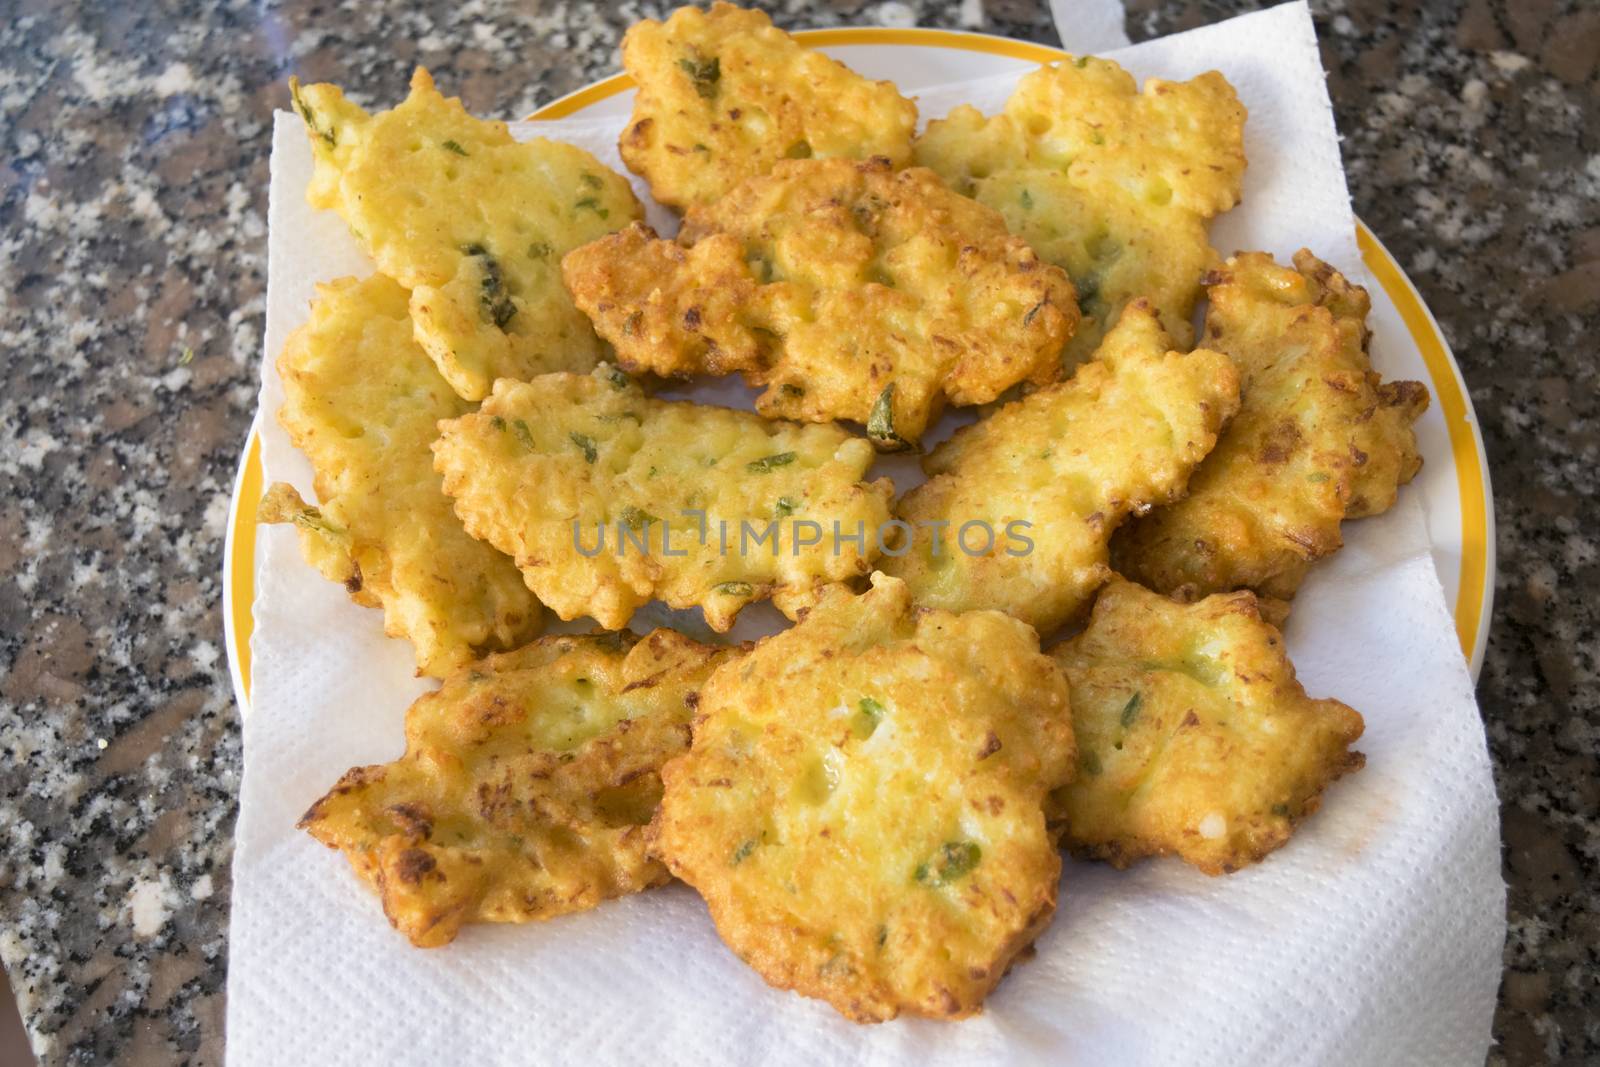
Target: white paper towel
(1090, 25)
(1373, 937)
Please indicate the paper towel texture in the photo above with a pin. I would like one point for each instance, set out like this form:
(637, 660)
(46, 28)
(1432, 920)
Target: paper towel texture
(1373, 937)
(1090, 25)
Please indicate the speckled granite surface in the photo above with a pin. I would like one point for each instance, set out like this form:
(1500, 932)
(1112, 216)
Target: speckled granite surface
(132, 268)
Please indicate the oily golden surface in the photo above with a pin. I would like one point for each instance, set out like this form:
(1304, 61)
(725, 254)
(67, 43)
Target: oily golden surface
(526, 786)
(862, 804)
(1194, 738)
(1110, 183)
(472, 222)
(1073, 460)
(565, 449)
(847, 290)
(361, 400)
(724, 95)
(1319, 438)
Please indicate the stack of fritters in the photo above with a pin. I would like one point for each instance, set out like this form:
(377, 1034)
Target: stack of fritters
(362, 402)
(871, 802)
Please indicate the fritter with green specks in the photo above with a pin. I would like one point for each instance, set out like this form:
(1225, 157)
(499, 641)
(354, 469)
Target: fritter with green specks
(845, 290)
(1194, 737)
(546, 469)
(1114, 185)
(862, 805)
(471, 222)
(526, 786)
(1019, 509)
(724, 95)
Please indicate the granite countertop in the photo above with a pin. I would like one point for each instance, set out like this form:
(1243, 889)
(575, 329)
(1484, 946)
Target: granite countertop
(133, 268)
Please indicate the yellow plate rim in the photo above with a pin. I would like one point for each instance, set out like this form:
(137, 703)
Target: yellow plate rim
(1474, 597)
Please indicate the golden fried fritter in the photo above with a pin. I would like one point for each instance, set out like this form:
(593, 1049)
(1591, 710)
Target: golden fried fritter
(1045, 480)
(1112, 184)
(1319, 438)
(473, 223)
(1194, 738)
(848, 290)
(361, 401)
(1387, 439)
(723, 95)
(526, 786)
(545, 465)
(862, 804)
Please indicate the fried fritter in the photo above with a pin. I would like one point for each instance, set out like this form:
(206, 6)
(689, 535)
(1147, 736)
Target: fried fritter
(473, 223)
(723, 95)
(361, 401)
(526, 786)
(1112, 184)
(1019, 507)
(1194, 737)
(847, 290)
(548, 468)
(1319, 438)
(862, 804)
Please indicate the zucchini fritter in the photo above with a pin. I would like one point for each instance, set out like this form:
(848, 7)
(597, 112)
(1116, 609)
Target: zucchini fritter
(361, 401)
(848, 290)
(1112, 184)
(472, 222)
(1194, 738)
(1319, 438)
(544, 465)
(862, 804)
(1071, 461)
(526, 786)
(723, 95)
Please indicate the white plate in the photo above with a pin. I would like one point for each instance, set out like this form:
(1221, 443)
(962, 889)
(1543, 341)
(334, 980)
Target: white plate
(1407, 344)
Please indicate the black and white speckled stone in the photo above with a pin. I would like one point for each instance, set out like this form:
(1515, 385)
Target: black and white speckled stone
(132, 263)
